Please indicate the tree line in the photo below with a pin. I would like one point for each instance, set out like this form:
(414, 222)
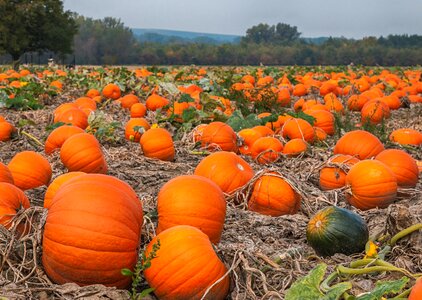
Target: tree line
(45, 30)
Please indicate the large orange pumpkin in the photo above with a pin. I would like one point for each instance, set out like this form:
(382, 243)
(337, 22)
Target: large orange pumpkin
(403, 166)
(58, 136)
(359, 143)
(56, 184)
(406, 136)
(248, 136)
(273, 196)
(158, 143)
(75, 117)
(323, 119)
(30, 170)
(185, 266)
(333, 176)
(374, 111)
(372, 184)
(219, 135)
(192, 200)
(82, 152)
(92, 232)
(5, 174)
(226, 169)
(12, 199)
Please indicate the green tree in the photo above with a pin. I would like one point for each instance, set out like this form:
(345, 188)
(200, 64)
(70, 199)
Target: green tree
(35, 25)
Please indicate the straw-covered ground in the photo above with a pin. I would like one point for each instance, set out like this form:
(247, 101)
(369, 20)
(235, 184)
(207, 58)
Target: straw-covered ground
(251, 243)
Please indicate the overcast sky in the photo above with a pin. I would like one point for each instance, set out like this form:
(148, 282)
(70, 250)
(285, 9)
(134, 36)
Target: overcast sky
(313, 18)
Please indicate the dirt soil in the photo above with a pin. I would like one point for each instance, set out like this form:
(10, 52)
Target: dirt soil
(250, 241)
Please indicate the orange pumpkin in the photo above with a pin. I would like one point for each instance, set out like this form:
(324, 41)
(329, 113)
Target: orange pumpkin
(298, 128)
(155, 102)
(295, 147)
(75, 117)
(138, 110)
(359, 143)
(187, 252)
(158, 143)
(128, 100)
(374, 111)
(30, 170)
(226, 169)
(12, 199)
(403, 166)
(111, 91)
(356, 102)
(135, 135)
(56, 184)
(6, 131)
(248, 136)
(5, 174)
(82, 152)
(263, 130)
(218, 135)
(273, 196)
(86, 103)
(323, 119)
(406, 136)
(372, 184)
(62, 108)
(266, 149)
(92, 93)
(416, 292)
(58, 136)
(192, 200)
(333, 176)
(92, 219)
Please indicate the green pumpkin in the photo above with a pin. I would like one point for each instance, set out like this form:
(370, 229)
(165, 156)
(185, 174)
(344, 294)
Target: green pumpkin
(337, 230)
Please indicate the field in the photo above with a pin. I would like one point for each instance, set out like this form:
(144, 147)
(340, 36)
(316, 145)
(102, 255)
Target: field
(264, 255)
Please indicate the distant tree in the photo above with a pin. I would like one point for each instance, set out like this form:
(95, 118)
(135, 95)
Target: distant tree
(35, 26)
(284, 33)
(276, 34)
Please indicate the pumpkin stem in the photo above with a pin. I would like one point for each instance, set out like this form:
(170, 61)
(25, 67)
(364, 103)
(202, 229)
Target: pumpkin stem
(37, 141)
(404, 232)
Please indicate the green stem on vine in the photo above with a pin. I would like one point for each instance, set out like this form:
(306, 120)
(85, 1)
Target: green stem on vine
(32, 137)
(352, 271)
(403, 295)
(404, 232)
(325, 285)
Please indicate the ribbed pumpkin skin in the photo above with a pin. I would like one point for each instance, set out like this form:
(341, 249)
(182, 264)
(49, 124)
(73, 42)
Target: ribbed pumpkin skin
(298, 129)
(332, 177)
(92, 231)
(337, 230)
(130, 133)
(403, 166)
(30, 170)
(359, 143)
(323, 119)
(228, 170)
(75, 117)
(58, 136)
(416, 292)
(82, 152)
(5, 174)
(158, 143)
(220, 134)
(372, 185)
(273, 196)
(192, 200)
(295, 147)
(6, 130)
(11, 200)
(56, 184)
(185, 266)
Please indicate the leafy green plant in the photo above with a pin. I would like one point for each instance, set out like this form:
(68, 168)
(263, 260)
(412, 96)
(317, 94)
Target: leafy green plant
(143, 264)
(102, 127)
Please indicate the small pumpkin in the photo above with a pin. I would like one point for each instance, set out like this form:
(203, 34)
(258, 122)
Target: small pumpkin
(158, 143)
(298, 128)
(374, 111)
(337, 230)
(295, 147)
(192, 200)
(406, 136)
(155, 102)
(138, 110)
(82, 152)
(323, 119)
(403, 166)
(333, 175)
(219, 135)
(416, 292)
(12, 199)
(226, 169)
(56, 184)
(30, 170)
(5, 174)
(359, 143)
(58, 136)
(128, 100)
(6, 131)
(132, 134)
(272, 195)
(266, 149)
(248, 136)
(93, 219)
(111, 91)
(75, 117)
(372, 184)
(186, 251)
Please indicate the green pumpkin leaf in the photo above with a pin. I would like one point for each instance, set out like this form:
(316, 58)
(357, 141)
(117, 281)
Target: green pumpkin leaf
(307, 288)
(126, 272)
(238, 122)
(384, 288)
